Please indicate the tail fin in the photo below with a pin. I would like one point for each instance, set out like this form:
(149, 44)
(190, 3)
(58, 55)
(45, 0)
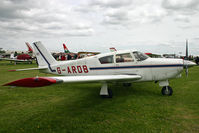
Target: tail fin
(112, 49)
(44, 57)
(12, 56)
(65, 49)
(30, 50)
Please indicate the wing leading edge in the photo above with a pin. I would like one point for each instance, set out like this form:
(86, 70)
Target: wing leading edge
(45, 81)
(8, 59)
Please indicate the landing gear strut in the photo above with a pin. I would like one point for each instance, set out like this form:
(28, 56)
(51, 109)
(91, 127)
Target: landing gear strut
(105, 92)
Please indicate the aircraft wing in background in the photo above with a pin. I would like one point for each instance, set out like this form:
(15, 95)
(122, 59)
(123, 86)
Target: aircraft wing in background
(16, 60)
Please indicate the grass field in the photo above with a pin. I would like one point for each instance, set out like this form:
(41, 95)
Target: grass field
(79, 108)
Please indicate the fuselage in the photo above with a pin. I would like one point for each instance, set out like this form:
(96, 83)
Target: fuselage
(24, 57)
(126, 62)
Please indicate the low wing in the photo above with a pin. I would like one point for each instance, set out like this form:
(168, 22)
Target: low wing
(17, 60)
(45, 81)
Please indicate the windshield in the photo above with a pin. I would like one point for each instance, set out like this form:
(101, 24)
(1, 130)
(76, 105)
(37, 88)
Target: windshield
(140, 56)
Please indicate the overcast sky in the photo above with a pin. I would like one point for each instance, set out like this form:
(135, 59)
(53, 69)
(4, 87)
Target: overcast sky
(157, 26)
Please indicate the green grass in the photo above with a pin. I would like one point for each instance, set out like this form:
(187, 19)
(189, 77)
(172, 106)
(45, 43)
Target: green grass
(79, 108)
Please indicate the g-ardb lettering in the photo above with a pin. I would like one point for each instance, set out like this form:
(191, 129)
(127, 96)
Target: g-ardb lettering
(77, 69)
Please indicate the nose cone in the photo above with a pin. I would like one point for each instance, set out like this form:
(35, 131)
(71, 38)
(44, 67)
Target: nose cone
(189, 63)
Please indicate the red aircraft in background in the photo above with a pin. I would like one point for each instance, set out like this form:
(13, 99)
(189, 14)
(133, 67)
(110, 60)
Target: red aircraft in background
(21, 57)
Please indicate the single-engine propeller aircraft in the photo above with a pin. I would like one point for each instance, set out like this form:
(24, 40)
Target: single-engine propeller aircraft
(124, 66)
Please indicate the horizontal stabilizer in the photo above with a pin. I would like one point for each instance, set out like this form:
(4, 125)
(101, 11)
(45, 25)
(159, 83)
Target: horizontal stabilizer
(26, 69)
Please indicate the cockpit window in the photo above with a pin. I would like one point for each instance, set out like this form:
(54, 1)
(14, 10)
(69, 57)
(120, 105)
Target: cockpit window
(106, 59)
(140, 56)
(120, 58)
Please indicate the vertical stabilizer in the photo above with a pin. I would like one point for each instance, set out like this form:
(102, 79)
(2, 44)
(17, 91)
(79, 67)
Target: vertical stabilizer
(112, 49)
(12, 56)
(30, 50)
(65, 49)
(44, 57)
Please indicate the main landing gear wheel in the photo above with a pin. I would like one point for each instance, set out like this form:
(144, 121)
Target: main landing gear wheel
(167, 90)
(110, 94)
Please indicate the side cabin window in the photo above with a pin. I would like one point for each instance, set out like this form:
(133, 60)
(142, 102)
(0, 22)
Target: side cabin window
(140, 56)
(106, 59)
(126, 57)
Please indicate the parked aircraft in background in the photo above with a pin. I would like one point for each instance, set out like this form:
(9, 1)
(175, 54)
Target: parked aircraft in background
(21, 57)
(30, 50)
(65, 49)
(124, 66)
(112, 49)
(79, 55)
(83, 54)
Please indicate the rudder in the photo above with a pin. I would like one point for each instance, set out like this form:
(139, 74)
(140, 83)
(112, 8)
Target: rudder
(44, 57)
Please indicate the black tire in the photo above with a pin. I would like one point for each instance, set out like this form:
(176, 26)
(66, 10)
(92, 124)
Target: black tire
(126, 84)
(110, 94)
(167, 90)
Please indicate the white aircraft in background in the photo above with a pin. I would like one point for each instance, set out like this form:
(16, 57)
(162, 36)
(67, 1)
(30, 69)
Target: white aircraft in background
(124, 66)
(112, 49)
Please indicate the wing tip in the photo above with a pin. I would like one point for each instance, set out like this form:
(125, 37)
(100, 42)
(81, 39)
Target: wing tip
(33, 82)
(12, 70)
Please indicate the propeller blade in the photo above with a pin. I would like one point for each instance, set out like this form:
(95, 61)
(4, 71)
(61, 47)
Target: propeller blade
(187, 54)
(187, 71)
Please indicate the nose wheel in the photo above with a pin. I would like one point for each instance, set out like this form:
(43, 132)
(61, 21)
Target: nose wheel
(167, 90)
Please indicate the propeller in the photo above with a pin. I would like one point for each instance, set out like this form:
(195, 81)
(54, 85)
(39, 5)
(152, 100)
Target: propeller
(186, 58)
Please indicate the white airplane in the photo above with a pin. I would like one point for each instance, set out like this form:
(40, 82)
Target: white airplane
(124, 66)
